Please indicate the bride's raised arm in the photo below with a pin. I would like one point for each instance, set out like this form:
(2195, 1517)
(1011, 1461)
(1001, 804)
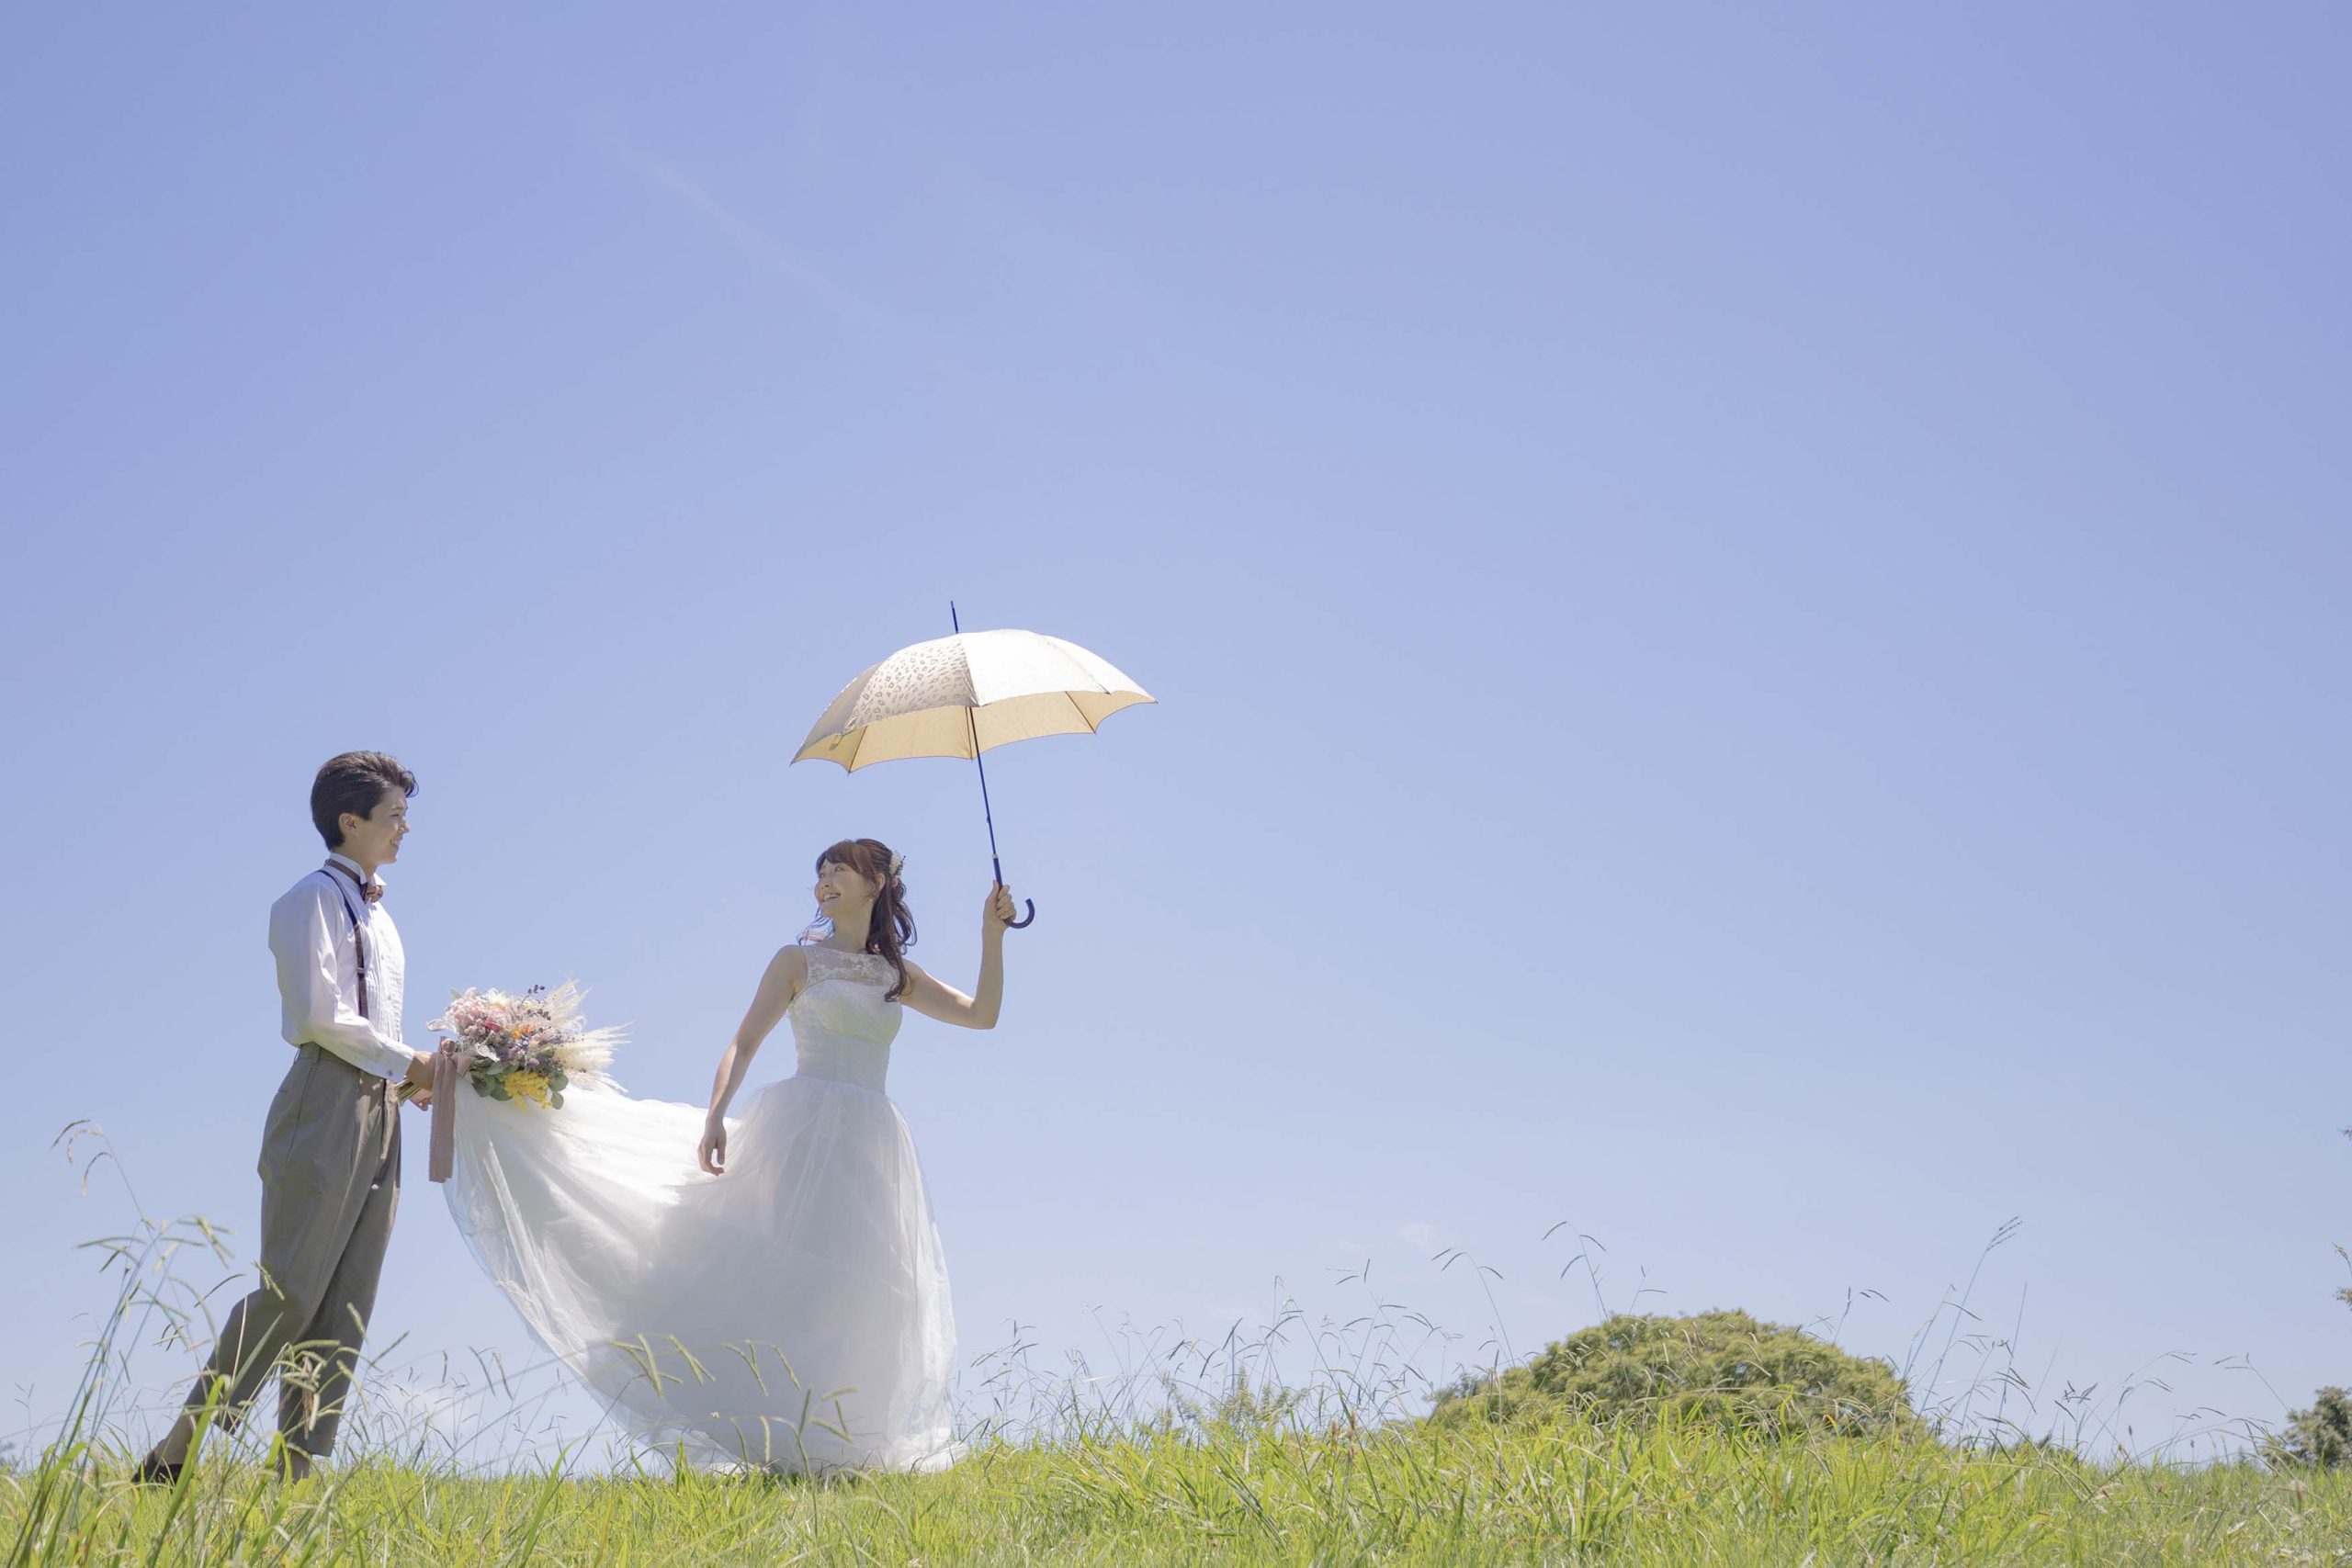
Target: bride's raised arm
(945, 1003)
(787, 972)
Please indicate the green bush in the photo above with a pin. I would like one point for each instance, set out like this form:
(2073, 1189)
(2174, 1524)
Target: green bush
(2321, 1436)
(1720, 1369)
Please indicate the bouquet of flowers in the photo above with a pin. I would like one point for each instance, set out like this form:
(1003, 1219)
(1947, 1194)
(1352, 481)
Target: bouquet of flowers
(530, 1047)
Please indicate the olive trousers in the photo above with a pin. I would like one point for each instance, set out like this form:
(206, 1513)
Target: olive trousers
(330, 1185)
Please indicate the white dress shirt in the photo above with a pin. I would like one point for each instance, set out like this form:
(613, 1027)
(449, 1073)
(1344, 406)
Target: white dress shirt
(318, 972)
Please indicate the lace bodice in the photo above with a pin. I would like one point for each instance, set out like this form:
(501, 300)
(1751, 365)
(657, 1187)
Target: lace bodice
(839, 1022)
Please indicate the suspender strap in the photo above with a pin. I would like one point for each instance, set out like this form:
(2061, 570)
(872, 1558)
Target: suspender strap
(359, 947)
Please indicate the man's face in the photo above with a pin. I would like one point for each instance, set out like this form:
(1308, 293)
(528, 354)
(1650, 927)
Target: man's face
(374, 838)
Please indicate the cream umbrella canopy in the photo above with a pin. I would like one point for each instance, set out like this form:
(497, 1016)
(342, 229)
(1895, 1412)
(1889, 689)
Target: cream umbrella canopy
(966, 694)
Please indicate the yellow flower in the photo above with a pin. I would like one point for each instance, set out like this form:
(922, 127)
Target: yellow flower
(528, 1085)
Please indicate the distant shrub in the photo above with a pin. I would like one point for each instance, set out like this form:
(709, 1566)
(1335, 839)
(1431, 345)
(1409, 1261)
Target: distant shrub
(1720, 1369)
(2321, 1436)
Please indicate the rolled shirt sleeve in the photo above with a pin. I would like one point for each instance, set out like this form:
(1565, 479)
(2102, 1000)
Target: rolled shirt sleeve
(309, 935)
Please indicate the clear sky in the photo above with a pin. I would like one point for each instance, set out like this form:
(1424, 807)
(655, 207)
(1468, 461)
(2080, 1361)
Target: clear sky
(1747, 608)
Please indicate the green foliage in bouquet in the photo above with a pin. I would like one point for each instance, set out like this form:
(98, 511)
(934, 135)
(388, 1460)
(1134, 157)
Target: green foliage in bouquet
(508, 1081)
(528, 1048)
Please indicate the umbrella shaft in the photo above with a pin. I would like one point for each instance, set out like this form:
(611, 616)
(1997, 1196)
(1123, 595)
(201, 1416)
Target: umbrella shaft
(972, 722)
(971, 719)
(987, 812)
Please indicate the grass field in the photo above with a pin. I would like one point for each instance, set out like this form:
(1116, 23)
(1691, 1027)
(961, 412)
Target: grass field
(1227, 1493)
(1218, 1467)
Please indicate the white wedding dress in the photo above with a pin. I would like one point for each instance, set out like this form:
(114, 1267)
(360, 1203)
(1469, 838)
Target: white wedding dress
(791, 1314)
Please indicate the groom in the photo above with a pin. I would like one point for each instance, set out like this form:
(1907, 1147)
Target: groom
(331, 1148)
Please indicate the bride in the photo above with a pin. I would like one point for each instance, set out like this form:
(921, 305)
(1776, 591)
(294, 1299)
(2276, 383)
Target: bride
(768, 1289)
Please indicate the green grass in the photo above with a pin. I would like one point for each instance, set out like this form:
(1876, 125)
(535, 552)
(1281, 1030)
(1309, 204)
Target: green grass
(1416, 1493)
(1150, 1466)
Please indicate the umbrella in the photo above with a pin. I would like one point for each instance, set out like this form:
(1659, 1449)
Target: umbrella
(966, 694)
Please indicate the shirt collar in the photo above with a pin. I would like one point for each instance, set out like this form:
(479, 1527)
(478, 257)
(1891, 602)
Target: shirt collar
(344, 860)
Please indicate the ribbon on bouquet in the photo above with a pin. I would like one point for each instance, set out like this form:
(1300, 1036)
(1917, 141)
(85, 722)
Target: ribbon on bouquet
(447, 1074)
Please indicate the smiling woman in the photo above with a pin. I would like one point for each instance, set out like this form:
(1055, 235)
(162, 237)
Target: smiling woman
(869, 866)
(787, 1307)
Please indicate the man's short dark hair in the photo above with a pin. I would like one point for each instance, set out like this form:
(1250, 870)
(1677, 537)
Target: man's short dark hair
(355, 782)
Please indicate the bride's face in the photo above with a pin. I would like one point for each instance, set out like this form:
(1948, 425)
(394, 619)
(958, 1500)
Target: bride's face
(840, 887)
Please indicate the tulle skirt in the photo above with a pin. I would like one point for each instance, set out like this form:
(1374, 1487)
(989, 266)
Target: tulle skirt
(792, 1314)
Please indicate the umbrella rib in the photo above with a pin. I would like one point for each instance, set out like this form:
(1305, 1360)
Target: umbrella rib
(1093, 726)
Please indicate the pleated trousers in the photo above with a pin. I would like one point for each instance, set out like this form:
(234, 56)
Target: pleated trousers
(330, 1185)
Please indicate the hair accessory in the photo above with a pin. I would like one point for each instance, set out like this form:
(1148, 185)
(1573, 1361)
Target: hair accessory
(897, 863)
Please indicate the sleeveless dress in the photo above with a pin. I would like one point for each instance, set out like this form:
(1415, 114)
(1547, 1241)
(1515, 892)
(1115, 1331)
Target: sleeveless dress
(792, 1314)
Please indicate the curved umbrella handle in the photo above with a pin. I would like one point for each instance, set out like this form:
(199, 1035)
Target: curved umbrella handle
(1023, 921)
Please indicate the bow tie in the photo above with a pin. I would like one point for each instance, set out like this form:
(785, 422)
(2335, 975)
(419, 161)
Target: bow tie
(373, 891)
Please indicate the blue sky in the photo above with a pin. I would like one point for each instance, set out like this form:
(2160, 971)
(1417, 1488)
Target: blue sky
(1748, 613)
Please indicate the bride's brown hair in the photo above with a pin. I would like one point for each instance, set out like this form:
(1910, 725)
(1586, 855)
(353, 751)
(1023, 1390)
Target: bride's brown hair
(891, 929)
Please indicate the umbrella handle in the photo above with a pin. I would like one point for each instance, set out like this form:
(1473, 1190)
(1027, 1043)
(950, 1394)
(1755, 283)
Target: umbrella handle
(1026, 920)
